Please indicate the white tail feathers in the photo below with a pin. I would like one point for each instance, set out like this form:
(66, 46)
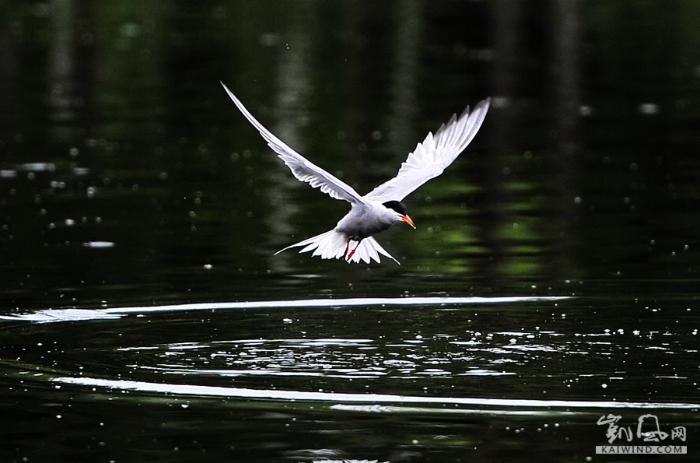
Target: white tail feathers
(333, 245)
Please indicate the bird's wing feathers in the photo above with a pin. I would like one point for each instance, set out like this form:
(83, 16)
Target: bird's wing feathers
(334, 245)
(433, 155)
(302, 169)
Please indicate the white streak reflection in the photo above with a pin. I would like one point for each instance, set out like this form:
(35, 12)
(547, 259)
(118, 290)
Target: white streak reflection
(245, 393)
(61, 315)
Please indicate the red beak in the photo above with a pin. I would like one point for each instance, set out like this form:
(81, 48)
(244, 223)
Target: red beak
(408, 220)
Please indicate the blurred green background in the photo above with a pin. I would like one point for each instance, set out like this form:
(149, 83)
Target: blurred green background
(115, 129)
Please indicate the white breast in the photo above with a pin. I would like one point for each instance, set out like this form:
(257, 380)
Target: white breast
(366, 220)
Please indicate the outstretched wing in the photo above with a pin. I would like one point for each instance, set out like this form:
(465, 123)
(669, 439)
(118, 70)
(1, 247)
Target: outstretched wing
(433, 155)
(302, 169)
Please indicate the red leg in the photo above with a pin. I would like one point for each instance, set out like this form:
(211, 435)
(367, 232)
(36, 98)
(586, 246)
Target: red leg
(352, 253)
(347, 247)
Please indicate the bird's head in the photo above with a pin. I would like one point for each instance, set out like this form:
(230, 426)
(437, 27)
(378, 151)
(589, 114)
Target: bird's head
(400, 212)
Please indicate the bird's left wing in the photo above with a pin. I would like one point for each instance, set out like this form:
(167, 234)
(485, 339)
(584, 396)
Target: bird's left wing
(433, 155)
(302, 169)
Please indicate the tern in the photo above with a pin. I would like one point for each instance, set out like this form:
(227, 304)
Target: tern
(352, 238)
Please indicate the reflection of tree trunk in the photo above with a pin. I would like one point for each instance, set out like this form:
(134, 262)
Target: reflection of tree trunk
(62, 85)
(405, 74)
(565, 38)
(406, 64)
(128, 77)
(506, 51)
(8, 79)
(292, 89)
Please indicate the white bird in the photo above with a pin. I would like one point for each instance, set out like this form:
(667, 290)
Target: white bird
(378, 210)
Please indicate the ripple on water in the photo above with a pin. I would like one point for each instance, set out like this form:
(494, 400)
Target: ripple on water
(409, 351)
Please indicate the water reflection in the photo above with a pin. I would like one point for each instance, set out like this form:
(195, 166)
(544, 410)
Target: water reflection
(439, 346)
(130, 192)
(57, 315)
(146, 149)
(201, 391)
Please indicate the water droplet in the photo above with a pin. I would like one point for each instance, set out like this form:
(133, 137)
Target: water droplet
(648, 109)
(130, 30)
(269, 39)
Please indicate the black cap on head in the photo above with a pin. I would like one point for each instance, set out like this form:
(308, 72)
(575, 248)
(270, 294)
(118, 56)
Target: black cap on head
(396, 206)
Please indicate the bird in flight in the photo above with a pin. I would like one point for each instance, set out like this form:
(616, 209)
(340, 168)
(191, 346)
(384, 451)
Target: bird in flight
(352, 238)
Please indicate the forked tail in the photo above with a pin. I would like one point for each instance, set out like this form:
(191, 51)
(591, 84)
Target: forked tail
(334, 245)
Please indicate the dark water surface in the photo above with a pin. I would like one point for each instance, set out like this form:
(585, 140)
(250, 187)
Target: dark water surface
(551, 285)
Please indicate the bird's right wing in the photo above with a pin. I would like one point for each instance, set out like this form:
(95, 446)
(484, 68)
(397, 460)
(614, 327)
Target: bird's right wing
(433, 155)
(302, 169)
